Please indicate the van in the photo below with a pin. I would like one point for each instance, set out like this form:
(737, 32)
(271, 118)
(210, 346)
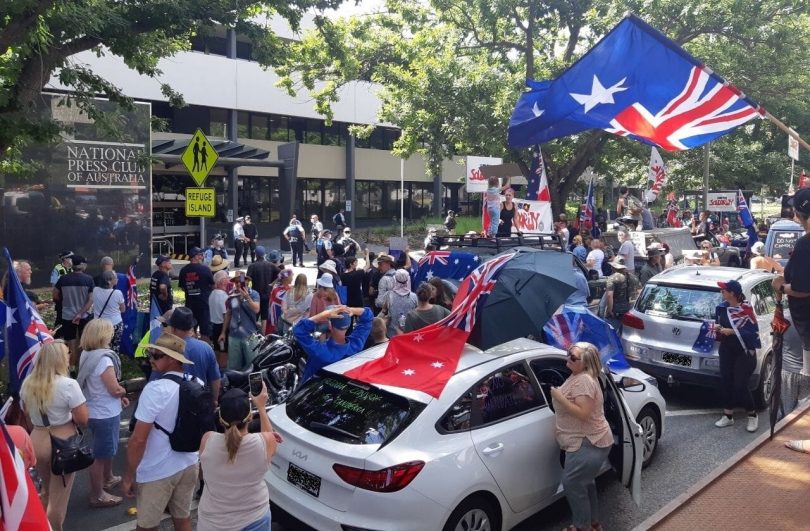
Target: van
(781, 239)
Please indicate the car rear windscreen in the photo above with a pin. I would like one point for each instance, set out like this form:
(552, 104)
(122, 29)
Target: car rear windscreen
(784, 242)
(349, 411)
(678, 302)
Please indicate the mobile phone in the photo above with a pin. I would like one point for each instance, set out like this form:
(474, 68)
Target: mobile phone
(242, 279)
(255, 380)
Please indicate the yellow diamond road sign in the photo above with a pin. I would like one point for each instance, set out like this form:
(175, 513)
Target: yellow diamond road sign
(199, 157)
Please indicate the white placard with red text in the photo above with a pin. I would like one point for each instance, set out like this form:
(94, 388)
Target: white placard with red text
(476, 182)
(532, 217)
(722, 201)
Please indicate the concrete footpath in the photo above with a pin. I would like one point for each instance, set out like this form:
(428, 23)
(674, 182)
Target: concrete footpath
(764, 486)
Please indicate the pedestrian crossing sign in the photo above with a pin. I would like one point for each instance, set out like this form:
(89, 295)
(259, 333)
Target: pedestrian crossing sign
(199, 157)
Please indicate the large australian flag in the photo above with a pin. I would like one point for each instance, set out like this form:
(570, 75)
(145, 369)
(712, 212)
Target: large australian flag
(450, 265)
(25, 331)
(636, 83)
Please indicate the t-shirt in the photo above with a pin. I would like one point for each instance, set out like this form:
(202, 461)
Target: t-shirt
(216, 305)
(158, 403)
(353, 281)
(250, 231)
(205, 365)
(161, 278)
(74, 289)
(66, 396)
(619, 284)
(112, 310)
(262, 274)
(628, 252)
(100, 403)
(398, 306)
(799, 261)
(570, 429)
(417, 318)
(598, 256)
(243, 320)
(294, 233)
(197, 281)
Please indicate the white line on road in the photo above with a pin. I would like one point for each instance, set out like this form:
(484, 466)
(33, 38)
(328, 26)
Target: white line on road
(690, 412)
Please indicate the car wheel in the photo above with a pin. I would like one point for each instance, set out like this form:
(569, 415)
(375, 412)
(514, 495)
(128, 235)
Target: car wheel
(474, 514)
(766, 379)
(650, 423)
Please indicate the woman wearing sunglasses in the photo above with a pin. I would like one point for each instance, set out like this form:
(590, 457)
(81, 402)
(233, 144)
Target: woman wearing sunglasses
(583, 433)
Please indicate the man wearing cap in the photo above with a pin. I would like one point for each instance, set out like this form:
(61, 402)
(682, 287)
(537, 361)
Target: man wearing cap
(197, 281)
(166, 479)
(238, 240)
(64, 266)
(217, 248)
(75, 292)
(294, 234)
(653, 265)
(262, 274)
(241, 309)
(619, 291)
(339, 345)
(251, 237)
(385, 263)
(204, 364)
(760, 261)
(350, 245)
(160, 286)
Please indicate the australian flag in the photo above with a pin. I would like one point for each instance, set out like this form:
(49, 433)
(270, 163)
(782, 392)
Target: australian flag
(636, 83)
(706, 337)
(451, 265)
(127, 284)
(25, 331)
(744, 322)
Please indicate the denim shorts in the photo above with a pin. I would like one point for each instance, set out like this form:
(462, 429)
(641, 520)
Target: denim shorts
(106, 433)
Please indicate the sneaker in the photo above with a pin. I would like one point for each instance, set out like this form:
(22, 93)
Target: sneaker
(753, 423)
(724, 421)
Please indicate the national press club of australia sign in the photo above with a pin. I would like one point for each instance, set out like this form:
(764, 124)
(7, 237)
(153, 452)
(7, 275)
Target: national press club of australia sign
(95, 164)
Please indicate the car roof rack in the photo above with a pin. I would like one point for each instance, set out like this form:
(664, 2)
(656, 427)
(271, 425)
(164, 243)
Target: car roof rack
(498, 244)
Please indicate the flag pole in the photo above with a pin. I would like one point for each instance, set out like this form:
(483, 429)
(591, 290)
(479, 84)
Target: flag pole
(787, 130)
(401, 198)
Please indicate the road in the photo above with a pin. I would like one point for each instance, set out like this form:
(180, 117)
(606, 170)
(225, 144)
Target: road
(690, 448)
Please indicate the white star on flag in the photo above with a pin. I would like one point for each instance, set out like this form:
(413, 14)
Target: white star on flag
(475, 258)
(418, 338)
(409, 372)
(455, 261)
(429, 274)
(599, 94)
(537, 111)
(437, 364)
(10, 317)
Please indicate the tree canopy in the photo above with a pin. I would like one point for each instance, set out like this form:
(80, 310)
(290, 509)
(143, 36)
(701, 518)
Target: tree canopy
(451, 71)
(39, 37)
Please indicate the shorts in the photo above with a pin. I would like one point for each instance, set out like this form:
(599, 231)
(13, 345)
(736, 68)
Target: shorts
(71, 331)
(174, 492)
(106, 433)
(216, 331)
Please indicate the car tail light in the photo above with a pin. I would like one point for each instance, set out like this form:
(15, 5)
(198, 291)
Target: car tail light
(633, 321)
(389, 479)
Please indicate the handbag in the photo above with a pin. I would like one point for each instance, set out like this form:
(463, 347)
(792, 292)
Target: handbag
(72, 454)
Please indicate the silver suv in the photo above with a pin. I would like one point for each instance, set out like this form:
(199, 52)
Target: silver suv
(659, 331)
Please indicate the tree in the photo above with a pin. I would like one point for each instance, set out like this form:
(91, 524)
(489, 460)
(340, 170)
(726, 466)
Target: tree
(451, 71)
(38, 39)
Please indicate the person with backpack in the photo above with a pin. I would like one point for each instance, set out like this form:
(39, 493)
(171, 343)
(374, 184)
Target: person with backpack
(172, 415)
(339, 220)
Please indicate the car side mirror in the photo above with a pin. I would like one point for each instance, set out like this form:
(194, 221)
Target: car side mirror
(631, 385)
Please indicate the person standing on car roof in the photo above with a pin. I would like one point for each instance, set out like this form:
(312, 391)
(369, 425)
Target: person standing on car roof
(795, 283)
(583, 433)
(738, 334)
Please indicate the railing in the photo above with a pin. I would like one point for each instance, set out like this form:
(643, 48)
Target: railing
(498, 244)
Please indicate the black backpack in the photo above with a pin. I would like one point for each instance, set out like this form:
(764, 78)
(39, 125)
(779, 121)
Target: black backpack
(195, 415)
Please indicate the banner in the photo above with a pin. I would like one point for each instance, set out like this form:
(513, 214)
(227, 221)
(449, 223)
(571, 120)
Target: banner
(532, 217)
(476, 182)
(658, 176)
(722, 201)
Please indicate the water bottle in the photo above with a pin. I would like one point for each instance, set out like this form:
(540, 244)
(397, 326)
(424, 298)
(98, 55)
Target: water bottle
(402, 321)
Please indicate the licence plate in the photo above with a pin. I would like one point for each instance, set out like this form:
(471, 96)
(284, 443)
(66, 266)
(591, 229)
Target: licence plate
(677, 359)
(304, 480)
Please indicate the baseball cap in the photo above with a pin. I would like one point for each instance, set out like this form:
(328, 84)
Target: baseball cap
(342, 322)
(801, 201)
(234, 406)
(194, 251)
(731, 285)
(260, 250)
(160, 259)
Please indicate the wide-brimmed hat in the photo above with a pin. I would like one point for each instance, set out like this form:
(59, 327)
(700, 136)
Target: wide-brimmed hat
(325, 281)
(758, 248)
(385, 258)
(275, 256)
(617, 263)
(166, 316)
(182, 319)
(329, 266)
(172, 346)
(218, 263)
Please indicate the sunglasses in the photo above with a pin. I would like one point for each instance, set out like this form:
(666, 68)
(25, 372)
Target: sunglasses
(153, 355)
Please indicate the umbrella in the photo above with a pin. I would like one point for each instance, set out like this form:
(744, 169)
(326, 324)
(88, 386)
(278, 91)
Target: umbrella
(779, 326)
(526, 293)
(576, 323)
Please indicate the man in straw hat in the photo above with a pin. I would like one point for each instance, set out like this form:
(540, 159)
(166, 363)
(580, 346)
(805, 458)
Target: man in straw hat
(165, 478)
(385, 263)
(654, 265)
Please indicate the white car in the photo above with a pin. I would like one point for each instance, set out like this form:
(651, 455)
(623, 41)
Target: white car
(481, 457)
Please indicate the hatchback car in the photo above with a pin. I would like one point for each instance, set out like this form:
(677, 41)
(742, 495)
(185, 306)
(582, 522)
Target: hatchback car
(482, 456)
(659, 331)
(782, 238)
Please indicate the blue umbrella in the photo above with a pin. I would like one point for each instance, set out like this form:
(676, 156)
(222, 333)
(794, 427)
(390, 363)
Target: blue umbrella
(571, 324)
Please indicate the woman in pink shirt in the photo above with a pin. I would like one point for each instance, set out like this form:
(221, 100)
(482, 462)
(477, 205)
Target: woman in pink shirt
(583, 433)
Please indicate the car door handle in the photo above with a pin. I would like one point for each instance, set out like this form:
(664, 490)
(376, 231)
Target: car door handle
(492, 449)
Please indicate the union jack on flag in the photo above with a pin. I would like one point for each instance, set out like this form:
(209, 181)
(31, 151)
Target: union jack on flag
(445, 264)
(274, 311)
(706, 337)
(634, 82)
(435, 257)
(21, 508)
(473, 293)
(744, 322)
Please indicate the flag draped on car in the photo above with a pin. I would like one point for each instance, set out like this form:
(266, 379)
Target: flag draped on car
(425, 359)
(451, 265)
(26, 332)
(634, 82)
(22, 510)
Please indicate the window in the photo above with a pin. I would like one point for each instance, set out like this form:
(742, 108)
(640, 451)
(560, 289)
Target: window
(279, 129)
(298, 127)
(313, 133)
(334, 197)
(333, 134)
(311, 198)
(351, 412)
(218, 123)
(369, 199)
(244, 50)
(259, 126)
(208, 44)
(242, 125)
(500, 395)
(678, 303)
(762, 298)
